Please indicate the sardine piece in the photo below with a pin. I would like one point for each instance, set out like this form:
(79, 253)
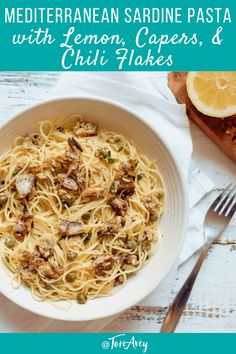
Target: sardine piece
(74, 145)
(84, 129)
(67, 182)
(119, 206)
(24, 185)
(93, 193)
(69, 228)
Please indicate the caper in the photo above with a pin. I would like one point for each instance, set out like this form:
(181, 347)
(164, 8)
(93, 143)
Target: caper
(132, 244)
(68, 199)
(153, 217)
(71, 255)
(10, 242)
(82, 298)
(160, 194)
(70, 277)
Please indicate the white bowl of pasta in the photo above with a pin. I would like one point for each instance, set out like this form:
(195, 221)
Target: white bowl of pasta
(93, 209)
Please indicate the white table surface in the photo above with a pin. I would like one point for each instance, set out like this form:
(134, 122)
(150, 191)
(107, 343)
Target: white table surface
(212, 305)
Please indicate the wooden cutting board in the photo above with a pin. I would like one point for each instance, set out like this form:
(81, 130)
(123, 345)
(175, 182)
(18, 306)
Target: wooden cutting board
(221, 131)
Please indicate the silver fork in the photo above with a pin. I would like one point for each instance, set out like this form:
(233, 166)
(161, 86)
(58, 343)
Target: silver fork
(216, 220)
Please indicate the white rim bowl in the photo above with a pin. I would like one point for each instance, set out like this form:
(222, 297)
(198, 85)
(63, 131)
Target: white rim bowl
(173, 224)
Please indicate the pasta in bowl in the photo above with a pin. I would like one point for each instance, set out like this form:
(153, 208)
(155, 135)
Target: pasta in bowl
(80, 208)
(81, 203)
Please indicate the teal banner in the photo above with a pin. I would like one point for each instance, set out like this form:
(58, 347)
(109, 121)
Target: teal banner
(114, 343)
(131, 35)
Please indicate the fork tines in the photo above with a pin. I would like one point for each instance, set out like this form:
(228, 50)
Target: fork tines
(225, 204)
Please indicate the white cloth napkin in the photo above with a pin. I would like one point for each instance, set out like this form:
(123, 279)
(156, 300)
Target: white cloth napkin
(148, 94)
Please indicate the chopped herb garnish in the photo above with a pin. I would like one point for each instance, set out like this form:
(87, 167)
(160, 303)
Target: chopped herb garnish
(119, 144)
(111, 161)
(68, 199)
(140, 176)
(16, 171)
(103, 153)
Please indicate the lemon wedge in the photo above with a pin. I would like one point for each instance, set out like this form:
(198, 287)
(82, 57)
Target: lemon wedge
(213, 93)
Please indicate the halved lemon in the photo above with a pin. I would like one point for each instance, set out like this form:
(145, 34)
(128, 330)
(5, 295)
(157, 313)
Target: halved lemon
(213, 93)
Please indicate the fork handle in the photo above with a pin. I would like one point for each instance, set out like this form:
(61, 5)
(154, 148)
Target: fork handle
(177, 307)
